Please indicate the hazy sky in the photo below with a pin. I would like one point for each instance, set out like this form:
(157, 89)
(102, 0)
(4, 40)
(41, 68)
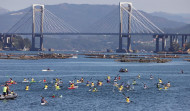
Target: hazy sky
(171, 6)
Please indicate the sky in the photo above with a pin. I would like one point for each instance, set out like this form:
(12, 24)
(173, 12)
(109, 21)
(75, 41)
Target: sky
(170, 6)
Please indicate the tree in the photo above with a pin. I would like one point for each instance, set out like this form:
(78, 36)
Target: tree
(174, 47)
(20, 43)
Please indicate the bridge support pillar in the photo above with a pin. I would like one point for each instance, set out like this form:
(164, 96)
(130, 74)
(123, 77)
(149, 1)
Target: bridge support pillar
(182, 42)
(186, 39)
(171, 41)
(157, 43)
(163, 43)
(34, 35)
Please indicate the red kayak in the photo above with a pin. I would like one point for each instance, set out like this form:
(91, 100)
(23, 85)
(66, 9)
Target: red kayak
(11, 83)
(71, 88)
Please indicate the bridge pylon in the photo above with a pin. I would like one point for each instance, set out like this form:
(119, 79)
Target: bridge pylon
(129, 8)
(37, 8)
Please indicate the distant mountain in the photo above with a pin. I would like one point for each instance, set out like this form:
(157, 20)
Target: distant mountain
(82, 17)
(185, 29)
(3, 11)
(175, 17)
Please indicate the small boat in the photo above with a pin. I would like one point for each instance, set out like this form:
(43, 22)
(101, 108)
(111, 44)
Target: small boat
(43, 104)
(75, 57)
(123, 70)
(47, 70)
(9, 96)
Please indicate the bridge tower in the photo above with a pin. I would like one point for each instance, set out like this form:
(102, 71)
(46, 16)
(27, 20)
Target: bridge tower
(37, 9)
(129, 8)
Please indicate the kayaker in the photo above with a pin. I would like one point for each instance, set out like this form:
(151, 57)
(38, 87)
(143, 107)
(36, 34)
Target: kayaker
(134, 82)
(82, 80)
(151, 77)
(5, 90)
(94, 89)
(127, 99)
(11, 81)
(139, 76)
(128, 87)
(27, 88)
(57, 87)
(92, 84)
(44, 80)
(87, 83)
(43, 101)
(120, 88)
(168, 84)
(100, 83)
(115, 79)
(145, 86)
(46, 86)
(158, 85)
(72, 85)
(181, 71)
(108, 79)
(160, 81)
(25, 79)
(119, 78)
(32, 80)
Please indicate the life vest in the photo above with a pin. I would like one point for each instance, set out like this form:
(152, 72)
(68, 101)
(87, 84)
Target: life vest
(12, 81)
(134, 82)
(57, 87)
(46, 86)
(100, 83)
(32, 79)
(160, 81)
(72, 85)
(44, 80)
(27, 88)
(119, 77)
(128, 100)
(92, 84)
(5, 89)
(109, 77)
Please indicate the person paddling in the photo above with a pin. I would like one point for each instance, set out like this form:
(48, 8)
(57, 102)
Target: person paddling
(43, 101)
(127, 99)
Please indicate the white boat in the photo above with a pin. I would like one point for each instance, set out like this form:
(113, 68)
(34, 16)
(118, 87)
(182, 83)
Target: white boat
(47, 70)
(75, 57)
(9, 96)
(26, 81)
(43, 104)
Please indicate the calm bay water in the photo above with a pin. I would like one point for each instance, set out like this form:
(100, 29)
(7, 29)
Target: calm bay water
(175, 98)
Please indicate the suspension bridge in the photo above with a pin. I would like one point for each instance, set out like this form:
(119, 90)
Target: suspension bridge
(124, 22)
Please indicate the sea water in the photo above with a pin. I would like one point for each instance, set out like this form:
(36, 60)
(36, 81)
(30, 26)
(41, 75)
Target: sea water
(107, 98)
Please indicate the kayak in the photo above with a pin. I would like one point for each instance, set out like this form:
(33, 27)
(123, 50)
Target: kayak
(11, 83)
(43, 104)
(47, 70)
(32, 81)
(26, 81)
(9, 96)
(73, 87)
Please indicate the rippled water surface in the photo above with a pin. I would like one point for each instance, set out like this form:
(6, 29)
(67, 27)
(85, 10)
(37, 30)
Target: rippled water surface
(107, 98)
